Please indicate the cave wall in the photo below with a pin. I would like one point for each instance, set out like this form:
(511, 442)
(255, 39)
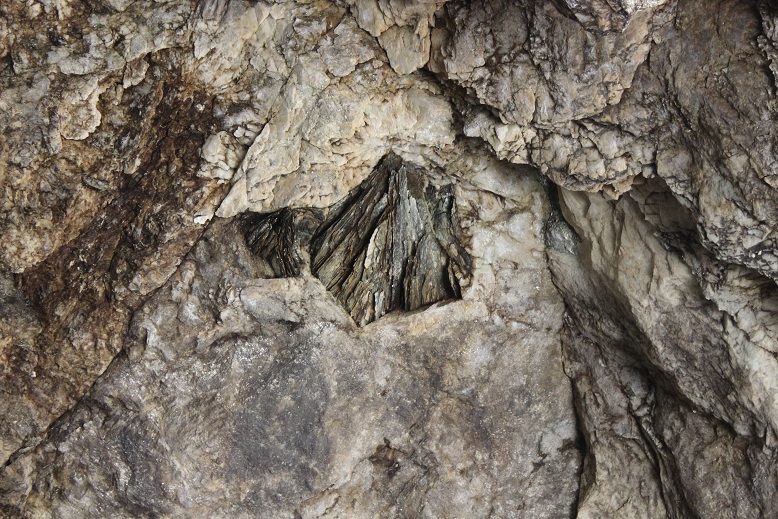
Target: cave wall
(583, 229)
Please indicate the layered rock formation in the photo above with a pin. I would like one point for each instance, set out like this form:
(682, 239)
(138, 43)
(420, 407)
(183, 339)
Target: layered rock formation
(378, 258)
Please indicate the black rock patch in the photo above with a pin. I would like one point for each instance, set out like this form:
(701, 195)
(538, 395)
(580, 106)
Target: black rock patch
(281, 238)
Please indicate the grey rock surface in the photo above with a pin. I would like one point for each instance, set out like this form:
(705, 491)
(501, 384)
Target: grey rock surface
(683, 388)
(570, 244)
(243, 396)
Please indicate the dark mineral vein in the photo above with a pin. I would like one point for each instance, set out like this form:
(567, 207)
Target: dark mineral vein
(394, 243)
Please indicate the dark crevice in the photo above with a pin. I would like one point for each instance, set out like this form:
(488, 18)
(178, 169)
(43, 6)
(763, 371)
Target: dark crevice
(558, 234)
(394, 242)
(281, 238)
(583, 444)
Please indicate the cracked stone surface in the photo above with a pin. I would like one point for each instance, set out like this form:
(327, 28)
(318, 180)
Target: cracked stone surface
(563, 213)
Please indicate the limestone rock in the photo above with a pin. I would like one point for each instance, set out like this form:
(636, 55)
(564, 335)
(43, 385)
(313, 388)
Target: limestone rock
(605, 16)
(672, 366)
(403, 29)
(251, 396)
(569, 208)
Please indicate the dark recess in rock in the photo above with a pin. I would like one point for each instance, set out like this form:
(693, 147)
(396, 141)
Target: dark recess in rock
(394, 243)
(558, 233)
(281, 238)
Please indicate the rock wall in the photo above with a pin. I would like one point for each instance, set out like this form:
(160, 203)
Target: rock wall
(386, 258)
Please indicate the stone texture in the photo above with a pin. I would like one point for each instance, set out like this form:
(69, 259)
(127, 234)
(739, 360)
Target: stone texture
(394, 243)
(244, 396)
(672, 366)
(167, 348)
(282, 238)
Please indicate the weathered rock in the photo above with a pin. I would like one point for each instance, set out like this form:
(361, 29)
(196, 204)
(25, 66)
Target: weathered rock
(670, 366)
(402, 28)
(259, 397)
(86, 291)
(281, 238)
(605, 16)
(162, 358)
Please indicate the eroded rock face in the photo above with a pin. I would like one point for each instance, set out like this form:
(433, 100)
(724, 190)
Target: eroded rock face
(683, 383)
(267, 391)
(207, 205)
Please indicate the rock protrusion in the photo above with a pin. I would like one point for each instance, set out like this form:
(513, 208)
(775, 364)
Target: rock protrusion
(392, 244)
